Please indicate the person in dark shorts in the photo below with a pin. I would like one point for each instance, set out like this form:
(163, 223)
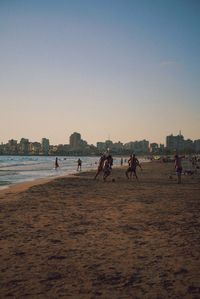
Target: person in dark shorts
(178, 166)
(79, 162)
(133, 164)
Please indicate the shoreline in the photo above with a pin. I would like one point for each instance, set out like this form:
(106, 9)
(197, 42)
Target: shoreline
(63, 172)
(23, 186)
(76, 237)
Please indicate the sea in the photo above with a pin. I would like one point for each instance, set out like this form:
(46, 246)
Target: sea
(18, 169)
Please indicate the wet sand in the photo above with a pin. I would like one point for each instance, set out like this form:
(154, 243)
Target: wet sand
(75, 237)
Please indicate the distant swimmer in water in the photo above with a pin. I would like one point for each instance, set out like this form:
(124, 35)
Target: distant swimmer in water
(100, 166)
(56, 163)
(79, 164)
(133, 164)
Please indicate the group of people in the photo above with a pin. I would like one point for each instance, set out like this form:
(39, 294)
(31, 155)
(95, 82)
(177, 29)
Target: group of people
(106, 163)
(79, 164)
(105, 166)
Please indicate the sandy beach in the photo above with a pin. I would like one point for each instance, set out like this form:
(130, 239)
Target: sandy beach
(74, 237)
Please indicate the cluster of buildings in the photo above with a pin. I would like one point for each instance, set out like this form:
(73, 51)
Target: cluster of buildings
(179, 144)
(78, 146)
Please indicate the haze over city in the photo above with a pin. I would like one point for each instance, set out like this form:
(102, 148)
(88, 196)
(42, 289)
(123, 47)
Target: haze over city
(124, 70)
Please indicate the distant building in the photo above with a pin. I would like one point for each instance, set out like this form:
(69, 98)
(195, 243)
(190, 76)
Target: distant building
(129, 146)
(12, 147)
(35, 148)
(175, 143)
(138, 147)
(109, 145)
(197, 146)
(162, 148)
(53, 149)
(75, 140)
(117, 147)
(154, 148)
(141, 146)
(101, 146)
(189, 146)
(24, 146)
(45, 146)
(62, 149)
(77, 145)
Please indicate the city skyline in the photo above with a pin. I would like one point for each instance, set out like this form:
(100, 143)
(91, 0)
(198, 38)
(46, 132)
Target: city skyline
(66, 141)
(78, 146)
(108, 69)
(70, 140)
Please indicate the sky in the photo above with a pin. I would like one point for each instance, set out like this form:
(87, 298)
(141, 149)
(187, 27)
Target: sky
(123, 70)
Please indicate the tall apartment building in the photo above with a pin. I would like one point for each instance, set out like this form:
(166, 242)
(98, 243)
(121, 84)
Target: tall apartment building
(12, 146)
(75, 140)
(137, 147)
(175, 143)
(45, 146)
(24, 146)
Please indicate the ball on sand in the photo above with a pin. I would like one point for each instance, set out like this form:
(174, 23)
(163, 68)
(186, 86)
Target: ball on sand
(113, 180)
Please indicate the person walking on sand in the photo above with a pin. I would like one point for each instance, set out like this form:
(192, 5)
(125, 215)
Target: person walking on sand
(79, 162)
(100, 166)
(178, 166)
(133, 163)
(56, 163)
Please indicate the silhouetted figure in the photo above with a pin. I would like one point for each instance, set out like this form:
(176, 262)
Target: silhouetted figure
(133, 163)
(178, 166)
(100, 166)
(121, 162)
(79, 164)
(107, 167)
(56, 163)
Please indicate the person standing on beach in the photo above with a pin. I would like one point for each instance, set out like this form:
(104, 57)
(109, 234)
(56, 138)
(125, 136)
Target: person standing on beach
(133, 163)
(107, 167)
(56, 163)
(178, 166)
(121, 162)
(79, 162)
(100, 166)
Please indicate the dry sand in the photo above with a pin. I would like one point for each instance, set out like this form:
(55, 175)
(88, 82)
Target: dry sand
(79, 238)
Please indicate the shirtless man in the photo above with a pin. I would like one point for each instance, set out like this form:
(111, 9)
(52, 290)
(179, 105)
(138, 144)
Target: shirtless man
(133, 163)
(107, 167)
(100, 166)
(178, 166)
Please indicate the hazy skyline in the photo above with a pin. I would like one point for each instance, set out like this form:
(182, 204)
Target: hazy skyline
(128, 70)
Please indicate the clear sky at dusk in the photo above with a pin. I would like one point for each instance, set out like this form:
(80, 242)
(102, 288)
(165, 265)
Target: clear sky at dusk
(125, 69)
